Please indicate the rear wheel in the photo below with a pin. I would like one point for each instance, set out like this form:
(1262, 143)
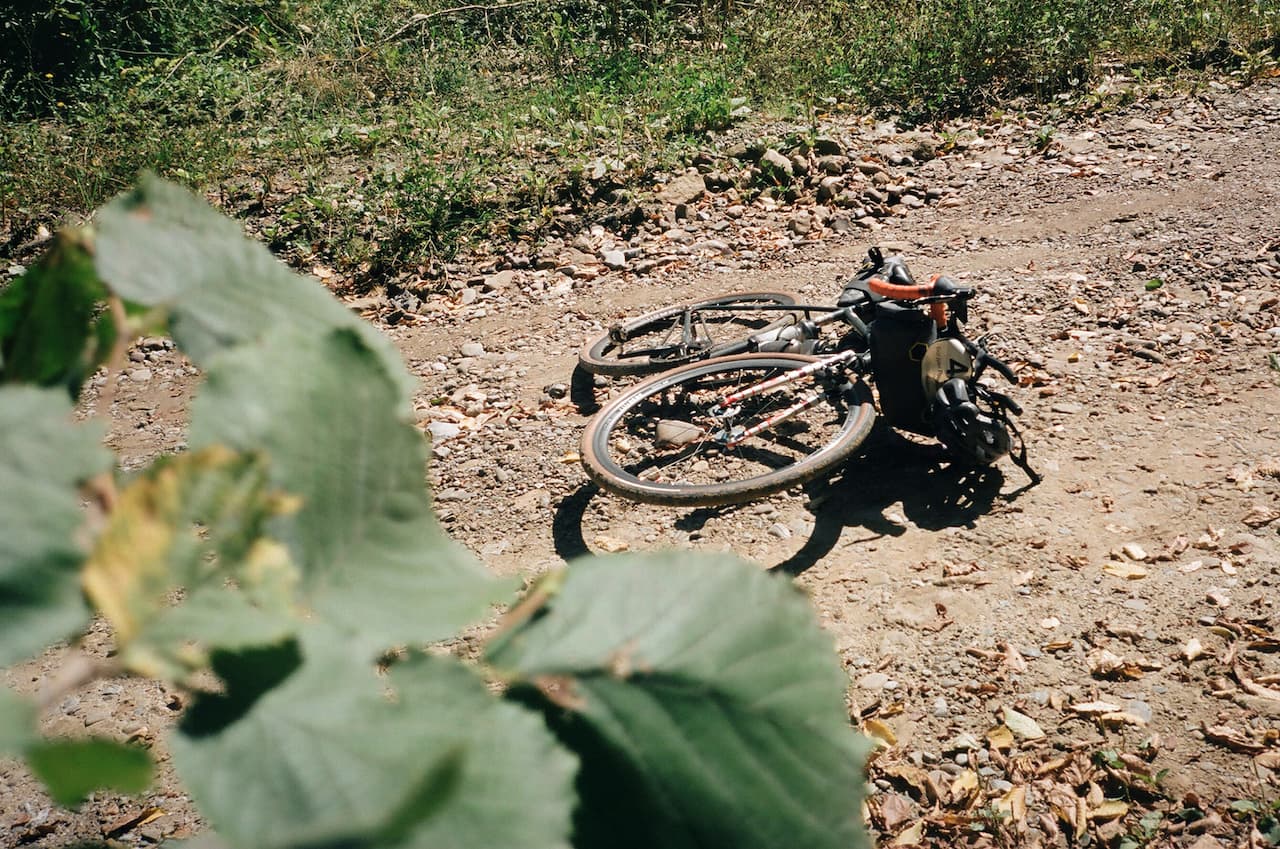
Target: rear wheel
(685, 333)
(666, 440)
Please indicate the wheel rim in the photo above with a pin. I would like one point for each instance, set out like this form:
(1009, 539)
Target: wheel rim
(662, 346)
(628, 447)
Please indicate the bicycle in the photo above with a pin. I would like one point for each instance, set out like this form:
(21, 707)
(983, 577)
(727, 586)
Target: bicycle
(785, 407)
(746, 322)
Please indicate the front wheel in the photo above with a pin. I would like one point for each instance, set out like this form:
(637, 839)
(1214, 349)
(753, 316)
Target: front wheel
(685, 333)
(670, 440)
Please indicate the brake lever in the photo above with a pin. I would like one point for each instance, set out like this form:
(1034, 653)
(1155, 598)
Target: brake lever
(1002, 400)
(986, 359)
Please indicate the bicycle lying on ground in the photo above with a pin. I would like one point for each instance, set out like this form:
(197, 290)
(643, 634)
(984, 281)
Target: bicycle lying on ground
(752, 397)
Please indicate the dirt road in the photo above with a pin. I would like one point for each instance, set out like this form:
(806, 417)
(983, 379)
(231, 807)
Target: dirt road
(1131, 271)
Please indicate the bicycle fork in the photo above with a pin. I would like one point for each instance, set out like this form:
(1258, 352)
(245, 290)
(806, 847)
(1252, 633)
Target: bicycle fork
(733, 437)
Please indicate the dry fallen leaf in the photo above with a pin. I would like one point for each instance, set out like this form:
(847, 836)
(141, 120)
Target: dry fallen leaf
(1051, 766)
(1118, 718)
(880, 732)
(1069, 808)
(915, 778)
(1109, 810)
(609, 545)
(1106, 664)
(1000, 737)
(1260, 515)
(965, 786)
(912, 836)
(895, 809)
(1013, 804)
(1192, 650)
(1134, 551)
(1225, 735)
(1126, 570)
(1246, 681)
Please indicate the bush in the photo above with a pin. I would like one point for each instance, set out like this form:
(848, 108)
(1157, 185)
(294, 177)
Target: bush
(51, 51)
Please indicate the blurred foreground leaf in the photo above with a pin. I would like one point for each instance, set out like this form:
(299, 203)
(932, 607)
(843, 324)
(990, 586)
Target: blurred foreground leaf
(373, 559)
(72, 769)
(704, 701)
(334, 757)
(44, 459)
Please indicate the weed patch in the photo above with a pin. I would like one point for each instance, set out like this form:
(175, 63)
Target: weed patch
(402, 132)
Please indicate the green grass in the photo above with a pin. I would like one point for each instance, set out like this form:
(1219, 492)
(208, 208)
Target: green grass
(356, 135)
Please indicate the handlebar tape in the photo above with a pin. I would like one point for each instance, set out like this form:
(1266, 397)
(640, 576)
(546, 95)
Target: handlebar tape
(897, 292)
(939, 285)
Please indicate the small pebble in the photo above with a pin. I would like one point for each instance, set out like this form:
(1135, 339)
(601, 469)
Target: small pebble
(873, 681)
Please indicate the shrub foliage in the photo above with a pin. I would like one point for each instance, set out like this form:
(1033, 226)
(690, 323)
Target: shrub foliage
(287, 571)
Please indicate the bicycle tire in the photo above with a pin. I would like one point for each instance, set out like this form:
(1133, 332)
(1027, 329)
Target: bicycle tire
(606, 357)
(610, 431)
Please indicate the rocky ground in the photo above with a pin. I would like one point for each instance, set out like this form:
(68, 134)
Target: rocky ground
(1092, 657)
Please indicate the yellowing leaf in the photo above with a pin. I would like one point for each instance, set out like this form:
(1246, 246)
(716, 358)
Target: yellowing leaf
(880, 732)
(194, 521)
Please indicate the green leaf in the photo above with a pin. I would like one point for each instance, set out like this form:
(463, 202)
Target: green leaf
(17, 723)
(1153, 284)
(704, 701)
(328, 755)
(160, 246)
(1245, 807)
(53, 330)
(72, 769)
(325, 411)
(194, 522)
(44, 458)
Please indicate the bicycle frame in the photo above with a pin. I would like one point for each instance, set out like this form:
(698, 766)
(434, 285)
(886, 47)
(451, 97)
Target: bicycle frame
(727, 405)
(948, 321)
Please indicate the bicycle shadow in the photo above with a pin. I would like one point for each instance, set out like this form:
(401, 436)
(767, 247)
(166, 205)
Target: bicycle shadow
(889, 470)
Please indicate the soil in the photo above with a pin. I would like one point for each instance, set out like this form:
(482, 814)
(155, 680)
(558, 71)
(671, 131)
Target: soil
(1129, 268)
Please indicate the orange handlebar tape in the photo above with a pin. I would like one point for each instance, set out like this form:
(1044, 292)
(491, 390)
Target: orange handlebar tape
(896, 292)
